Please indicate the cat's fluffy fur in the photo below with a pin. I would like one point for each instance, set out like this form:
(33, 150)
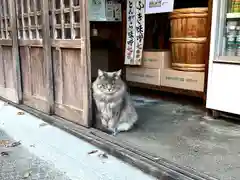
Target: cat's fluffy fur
(114, 107)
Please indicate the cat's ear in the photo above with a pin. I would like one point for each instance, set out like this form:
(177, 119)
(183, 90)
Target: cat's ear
(119, 73)
(100, 72)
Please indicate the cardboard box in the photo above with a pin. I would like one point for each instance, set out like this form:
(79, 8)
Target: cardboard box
(156, 59)
(182, 79)
(143, 75)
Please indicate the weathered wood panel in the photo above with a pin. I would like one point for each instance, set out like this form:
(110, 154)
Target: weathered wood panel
(2, 69)
(8, 65)
(26, 70)
(69, 60)
(10, 86)
(34, 78)
(33, 30)
(39, 76)
(8, 90)
(68, 83)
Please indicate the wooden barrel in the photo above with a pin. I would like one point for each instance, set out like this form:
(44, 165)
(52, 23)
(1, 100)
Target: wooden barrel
(188, 38)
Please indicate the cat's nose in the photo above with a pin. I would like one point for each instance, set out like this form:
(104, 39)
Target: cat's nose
(109, 87)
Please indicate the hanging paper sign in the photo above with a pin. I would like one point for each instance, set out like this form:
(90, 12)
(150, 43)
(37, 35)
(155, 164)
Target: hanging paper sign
(135, 32)
(131, 29)
(140, 27)
(158, 6)
(109, 10)
(118, 12)
(113, 10)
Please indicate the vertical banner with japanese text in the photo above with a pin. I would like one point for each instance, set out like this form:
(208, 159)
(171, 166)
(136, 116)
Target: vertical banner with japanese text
(135, 32)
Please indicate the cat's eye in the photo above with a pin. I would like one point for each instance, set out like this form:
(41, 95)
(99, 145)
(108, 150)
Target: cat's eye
(104, 86)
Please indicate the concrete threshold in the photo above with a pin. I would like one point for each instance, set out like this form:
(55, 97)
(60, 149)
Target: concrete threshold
(154, 166)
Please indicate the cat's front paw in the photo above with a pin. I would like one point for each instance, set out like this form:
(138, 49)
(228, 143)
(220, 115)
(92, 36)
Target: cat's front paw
(115, 132)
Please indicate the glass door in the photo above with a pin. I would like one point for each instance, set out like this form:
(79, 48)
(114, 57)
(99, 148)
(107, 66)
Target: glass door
(229, 32)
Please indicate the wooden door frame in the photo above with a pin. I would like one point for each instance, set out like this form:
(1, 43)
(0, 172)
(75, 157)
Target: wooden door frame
(27, 42)
(15, 51)
(48, 54)
(72, 16)
(208, 43)
(9, 14)
(87, 89)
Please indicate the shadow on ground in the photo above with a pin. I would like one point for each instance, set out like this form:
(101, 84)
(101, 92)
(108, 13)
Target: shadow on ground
(184, 134)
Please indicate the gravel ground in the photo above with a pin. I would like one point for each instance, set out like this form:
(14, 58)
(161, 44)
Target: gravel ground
(21, 164)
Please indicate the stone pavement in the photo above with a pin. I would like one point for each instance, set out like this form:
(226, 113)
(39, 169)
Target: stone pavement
(47, 152)
(20, 163)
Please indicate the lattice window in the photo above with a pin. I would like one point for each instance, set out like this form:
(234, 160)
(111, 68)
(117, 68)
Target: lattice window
(65, 19)
(29, 19)
(5, 27)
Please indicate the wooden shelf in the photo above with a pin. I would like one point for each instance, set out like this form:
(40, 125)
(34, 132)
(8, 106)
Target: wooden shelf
(233, 15)
(167, 89)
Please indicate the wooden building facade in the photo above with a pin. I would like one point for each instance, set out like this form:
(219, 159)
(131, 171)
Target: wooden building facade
(45, 58)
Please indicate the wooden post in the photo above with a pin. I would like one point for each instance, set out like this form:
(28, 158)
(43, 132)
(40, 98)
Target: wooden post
(15, 51)
(47, 54)
(62, 19)
(209, 22)
(124, 32)
(86, 56)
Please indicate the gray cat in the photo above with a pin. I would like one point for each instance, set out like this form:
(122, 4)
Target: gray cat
(115, 109)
